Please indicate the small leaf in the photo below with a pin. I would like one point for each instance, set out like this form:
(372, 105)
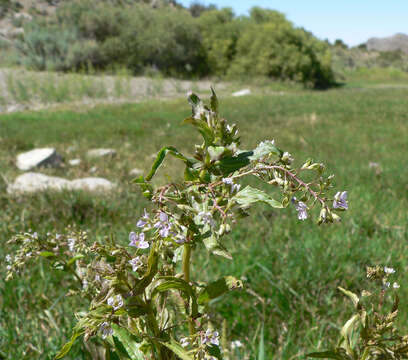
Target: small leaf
(218, 288)
(264, 149)
(128, 341)
(213, 246)
(160, 158)
(229, 164)
(67, 347)
(75, 258)
(249, 196)
(177, 349)
(353, 297)
(261, 349)
(214, 101)
(47, 254)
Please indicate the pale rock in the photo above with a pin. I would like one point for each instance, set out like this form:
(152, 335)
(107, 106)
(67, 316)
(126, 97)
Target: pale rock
(97, 153)
(242, 92)
(93, 169)
(35, 182)
(38, 157)
(74, 162)
(92, 184)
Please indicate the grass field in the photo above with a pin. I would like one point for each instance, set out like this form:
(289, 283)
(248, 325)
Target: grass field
(291, 268)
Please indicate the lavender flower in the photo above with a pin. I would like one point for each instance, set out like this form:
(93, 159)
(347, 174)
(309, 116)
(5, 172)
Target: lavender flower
(138, 240)
(207, 218)
(144, 220)
(301, 208)
(340, 200)
(115, 301)
(136, 263)
(163, 225)
(389, 270)
(230, 181)
(184, 342)
(71, 244)
(106, 330)
(8, 258)
(210, 337)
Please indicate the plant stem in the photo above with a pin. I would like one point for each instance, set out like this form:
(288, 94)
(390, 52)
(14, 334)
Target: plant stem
(186, 271)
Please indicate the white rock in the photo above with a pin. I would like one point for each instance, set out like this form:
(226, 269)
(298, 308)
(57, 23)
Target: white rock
(242, 92)
(74, 162)
(92, 184)
(38, 157)
(96, 153)
(135, 172)
(34, 182)
(93, 169)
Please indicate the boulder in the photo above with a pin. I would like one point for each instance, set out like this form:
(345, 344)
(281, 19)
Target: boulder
(97, 153)
(38, 157)
(74, 162)
(242, 92)
(34, 182)
(135, 172)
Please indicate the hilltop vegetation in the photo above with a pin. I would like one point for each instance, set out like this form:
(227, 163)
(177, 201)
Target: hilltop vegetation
(163, 36)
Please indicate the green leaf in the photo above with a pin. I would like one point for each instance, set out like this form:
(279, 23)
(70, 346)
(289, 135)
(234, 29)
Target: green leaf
(47, 254)
(229, 164)
(67, 347)
(160, 158)
(75, 258)
(213, 246)
(261, 349)
(353, 297)
(152, 268)
(265, 148)
(177, 349)
(135, 307)
(129, 343)
(218, 288)
(147, 189)
(250, 195)
(203, 128)
(173, 283)
(214, 101)
(338, 354)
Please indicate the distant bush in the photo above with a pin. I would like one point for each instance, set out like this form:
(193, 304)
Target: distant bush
(272, 47)
(139, 36)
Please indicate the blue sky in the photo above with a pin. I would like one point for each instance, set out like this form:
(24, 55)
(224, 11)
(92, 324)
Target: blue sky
(353, 21)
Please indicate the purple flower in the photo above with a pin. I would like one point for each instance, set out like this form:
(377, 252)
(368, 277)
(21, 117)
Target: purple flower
(144, 220)
(207, 218)
(210, 337)
(116, 302)
(136, 263)
(340, 200)
(163, 225)
(230, 181)
(301, 208)
(106, 330)
(138, 240)
(184, 342)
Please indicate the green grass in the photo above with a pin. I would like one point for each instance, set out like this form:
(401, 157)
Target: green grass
(291, 268)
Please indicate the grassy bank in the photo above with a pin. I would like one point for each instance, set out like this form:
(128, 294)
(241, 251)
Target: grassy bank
(291, 268)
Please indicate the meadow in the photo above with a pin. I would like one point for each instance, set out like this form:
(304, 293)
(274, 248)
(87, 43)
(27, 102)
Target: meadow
(291, 269)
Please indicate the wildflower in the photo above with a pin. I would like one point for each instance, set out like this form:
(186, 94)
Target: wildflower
(163, 225)
(143, 221)
(210, 337)
(287, 158)
(207, 218)
(138, 240)
(387, 284)
(301, 208)
(8, 258)
(106, 330)
(395, 285)
(340, 200)
(230, 181)
(136, 263)
(180, 239)
(184, 342)
(389, 270)
(236, 344)
(115, 301)
(71, 244)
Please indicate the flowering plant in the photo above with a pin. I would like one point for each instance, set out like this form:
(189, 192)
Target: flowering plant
(144, 303)
(371, 334)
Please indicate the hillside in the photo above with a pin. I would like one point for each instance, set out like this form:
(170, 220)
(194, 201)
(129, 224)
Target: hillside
(393, 43)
